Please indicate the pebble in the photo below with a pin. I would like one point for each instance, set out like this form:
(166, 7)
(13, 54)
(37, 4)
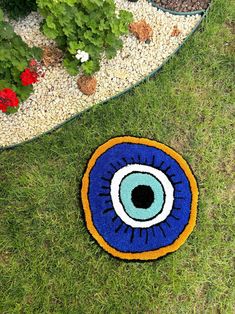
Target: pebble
(56, 96)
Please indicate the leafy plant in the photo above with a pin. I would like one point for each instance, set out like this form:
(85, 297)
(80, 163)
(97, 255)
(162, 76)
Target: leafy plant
(18, 8)
(90, 26)
(14, 59)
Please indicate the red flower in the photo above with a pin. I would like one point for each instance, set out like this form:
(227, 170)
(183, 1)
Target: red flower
(33, 63)
(28, 77)
(8, 98)
(36, 66)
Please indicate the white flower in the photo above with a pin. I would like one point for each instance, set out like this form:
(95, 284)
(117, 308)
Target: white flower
(82, 55)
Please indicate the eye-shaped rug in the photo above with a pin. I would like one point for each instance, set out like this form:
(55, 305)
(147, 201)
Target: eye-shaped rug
(56, 98)
(139, 197)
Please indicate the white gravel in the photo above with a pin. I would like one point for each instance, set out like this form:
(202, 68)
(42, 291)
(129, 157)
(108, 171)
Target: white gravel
(57, 98)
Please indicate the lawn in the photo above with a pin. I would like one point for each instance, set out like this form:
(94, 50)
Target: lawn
(48, 261)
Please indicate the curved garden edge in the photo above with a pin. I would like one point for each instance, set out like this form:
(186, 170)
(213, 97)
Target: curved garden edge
(203, 13)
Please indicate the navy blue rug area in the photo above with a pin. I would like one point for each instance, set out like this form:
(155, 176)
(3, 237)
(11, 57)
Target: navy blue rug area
(139, 197)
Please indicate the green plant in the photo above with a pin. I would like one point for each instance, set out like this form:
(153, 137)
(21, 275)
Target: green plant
(14, 59)
(18, 8)
(90, 26)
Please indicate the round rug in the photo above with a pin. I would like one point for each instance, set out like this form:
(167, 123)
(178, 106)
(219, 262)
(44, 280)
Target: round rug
(139, 197)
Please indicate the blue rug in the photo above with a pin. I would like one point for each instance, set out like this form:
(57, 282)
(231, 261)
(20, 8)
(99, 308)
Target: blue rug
(139, 197)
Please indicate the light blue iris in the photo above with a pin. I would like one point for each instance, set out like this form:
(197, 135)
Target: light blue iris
(129, 183)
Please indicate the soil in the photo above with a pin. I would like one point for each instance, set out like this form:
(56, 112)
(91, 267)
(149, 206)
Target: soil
(183, 5)
(51, 56)
(175, 32)
(87, 84)
(142, 30)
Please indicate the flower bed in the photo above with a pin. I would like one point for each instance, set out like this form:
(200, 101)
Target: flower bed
(56, 97)
(183, 5)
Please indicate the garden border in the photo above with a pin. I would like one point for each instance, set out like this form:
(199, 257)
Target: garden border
(203, 13)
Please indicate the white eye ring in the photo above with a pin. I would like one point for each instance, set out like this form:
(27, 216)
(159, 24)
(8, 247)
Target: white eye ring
(118, 207)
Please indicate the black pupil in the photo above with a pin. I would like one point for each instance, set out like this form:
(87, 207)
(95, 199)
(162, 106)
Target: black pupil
(142, 196)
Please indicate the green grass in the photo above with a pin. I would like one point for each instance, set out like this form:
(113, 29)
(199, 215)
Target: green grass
(48, 261)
